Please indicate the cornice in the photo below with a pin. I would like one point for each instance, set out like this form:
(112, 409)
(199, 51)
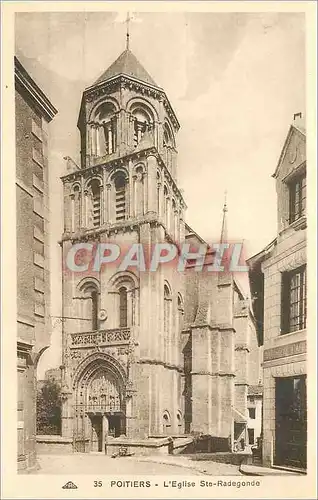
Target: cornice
(124, 81)
(94, 234)
(213, 374)
(25, 81)
(123, 160)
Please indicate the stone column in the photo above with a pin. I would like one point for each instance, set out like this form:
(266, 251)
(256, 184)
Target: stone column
(82, 207)
(105, 426)
(88, 144)
(152, 184)
(108, 217)
(67, 417)
(72, 198)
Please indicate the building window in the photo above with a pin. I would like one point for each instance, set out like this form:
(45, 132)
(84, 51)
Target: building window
(120, 188)
(179, 422)
(250, 436)
(96, 204)
(180, 314)
(297, 198)
(94, 297)
(139, 130)
(168, 145)
(104, 130)
(123, 307)
(166, 207)
(167, 313)
(142, 121)
(294, 300)
(158, 194)
(166, 423)
(110, 135)
(251, 413)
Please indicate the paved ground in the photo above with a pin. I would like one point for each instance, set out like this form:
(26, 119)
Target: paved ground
(79, 463)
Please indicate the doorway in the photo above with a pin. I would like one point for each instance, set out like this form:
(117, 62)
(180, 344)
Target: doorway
(103, 425)
(97, 433)
(114, 425)
(291, 422)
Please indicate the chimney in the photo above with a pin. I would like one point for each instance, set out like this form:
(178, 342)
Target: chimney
(297, 115)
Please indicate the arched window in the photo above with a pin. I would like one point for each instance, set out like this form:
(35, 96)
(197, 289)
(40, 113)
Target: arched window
(94, 299)
(173, 217)
(166, 420)
(158, 193)
(180, 314)
(123, 300)
(166, 198)
(120, 196)
(89, 292)
(139, 191)
(76, 208)
(123, 307)
(96, 204)
(168, 144)
(104, 130)
(142, 121)
(179, 422)
(167, 320)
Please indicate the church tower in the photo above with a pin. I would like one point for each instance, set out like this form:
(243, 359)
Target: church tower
(121, 328)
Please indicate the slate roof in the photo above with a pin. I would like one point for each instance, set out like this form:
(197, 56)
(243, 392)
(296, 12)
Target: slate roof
(127, 64)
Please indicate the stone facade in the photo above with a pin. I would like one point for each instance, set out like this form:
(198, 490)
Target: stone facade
(33, 113)
(145, 354)
(284, 339)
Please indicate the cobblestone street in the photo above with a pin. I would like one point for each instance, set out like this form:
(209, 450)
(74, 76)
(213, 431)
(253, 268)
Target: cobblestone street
(100, 464)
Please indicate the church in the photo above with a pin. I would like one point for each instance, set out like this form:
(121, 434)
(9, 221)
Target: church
(147, 357)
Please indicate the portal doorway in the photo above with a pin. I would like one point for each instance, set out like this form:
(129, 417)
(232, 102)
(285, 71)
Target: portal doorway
(291, 422)
(97, 433)
(115, 425)
(103, 426)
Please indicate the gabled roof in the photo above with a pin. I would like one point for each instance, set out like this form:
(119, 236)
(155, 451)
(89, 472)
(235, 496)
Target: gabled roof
(127, 64)
(302, 130)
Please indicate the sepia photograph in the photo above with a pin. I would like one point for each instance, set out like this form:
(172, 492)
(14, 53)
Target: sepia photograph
(160, 223)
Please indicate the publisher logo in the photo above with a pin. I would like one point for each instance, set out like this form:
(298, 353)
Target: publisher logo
(69, 486)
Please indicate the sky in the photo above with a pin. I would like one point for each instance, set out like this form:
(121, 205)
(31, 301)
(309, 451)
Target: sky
(235, 81)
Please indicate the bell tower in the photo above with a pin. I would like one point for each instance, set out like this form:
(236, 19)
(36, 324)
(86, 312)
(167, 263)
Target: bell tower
(123, 326)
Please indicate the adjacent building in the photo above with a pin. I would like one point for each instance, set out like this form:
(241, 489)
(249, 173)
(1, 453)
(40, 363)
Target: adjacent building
(145, 355)
(33, 112)
(279, 285)
(255, 409)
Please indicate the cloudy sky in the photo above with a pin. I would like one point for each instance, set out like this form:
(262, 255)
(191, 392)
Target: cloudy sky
(234, 79)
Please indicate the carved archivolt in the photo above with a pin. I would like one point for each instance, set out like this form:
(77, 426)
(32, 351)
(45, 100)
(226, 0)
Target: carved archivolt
(94, 362)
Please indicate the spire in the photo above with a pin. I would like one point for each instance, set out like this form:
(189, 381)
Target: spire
(224, 234)
(225, 277)
(127, 30)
